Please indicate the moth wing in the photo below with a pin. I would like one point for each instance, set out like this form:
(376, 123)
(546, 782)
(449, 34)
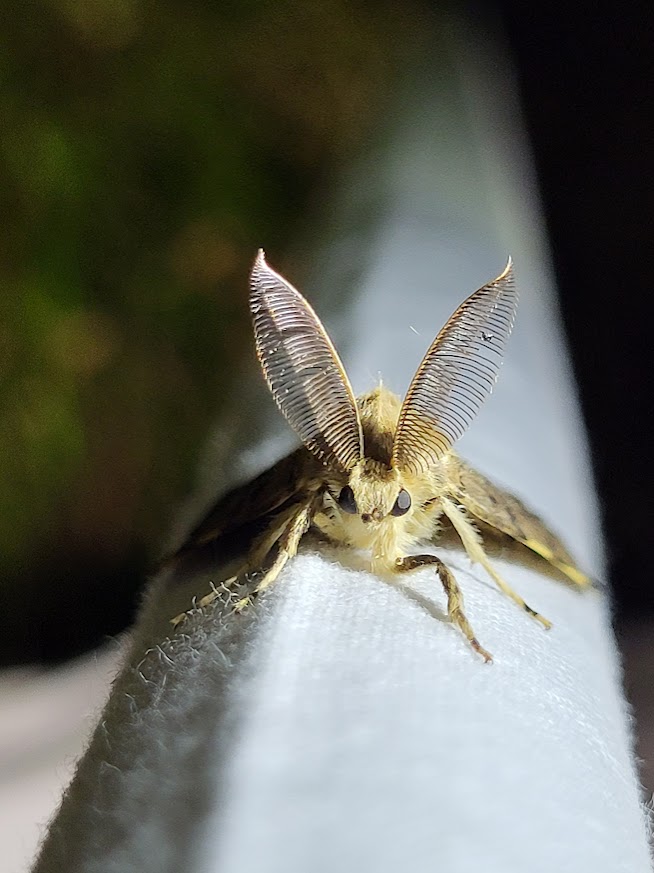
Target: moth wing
(456, 375)
(504, 512)
(249, 511)
(303, 370)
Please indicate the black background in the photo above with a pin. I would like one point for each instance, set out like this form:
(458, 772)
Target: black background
(586, 83)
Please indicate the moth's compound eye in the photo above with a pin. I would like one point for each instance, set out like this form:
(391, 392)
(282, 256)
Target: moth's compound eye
(403, 503)
(346, 500)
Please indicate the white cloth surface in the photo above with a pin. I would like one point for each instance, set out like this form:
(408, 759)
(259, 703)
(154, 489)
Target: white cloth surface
(344, 725)
(373, 738)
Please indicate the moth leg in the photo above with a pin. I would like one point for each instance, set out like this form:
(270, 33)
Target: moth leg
(287, 546)
(221, 590)
(472, 544)
(454, 596)
(291, 533)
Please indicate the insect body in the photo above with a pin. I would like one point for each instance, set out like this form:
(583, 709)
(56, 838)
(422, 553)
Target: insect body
(376, 473)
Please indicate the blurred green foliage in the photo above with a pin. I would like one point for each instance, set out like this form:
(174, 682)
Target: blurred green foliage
(146, 151)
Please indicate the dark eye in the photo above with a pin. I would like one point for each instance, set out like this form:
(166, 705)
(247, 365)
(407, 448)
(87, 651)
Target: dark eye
(346, 500)
(402, 504)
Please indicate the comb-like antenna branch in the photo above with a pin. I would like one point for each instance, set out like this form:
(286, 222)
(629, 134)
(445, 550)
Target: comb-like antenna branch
(303, 370)
(456, 375)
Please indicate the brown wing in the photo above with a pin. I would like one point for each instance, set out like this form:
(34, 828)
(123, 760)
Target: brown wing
(243, 514)
(503, 511)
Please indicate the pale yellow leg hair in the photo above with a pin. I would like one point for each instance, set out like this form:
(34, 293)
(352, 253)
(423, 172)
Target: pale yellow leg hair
(454, 596)
(472, 544)
(287, 543)
(222, 590)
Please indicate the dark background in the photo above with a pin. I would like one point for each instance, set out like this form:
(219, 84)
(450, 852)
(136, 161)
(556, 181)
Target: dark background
(146, 152)
(587, 82)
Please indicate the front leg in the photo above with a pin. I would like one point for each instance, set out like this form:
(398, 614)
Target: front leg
(277, 552)
(472, 544)
(454, 596)
(286, 546)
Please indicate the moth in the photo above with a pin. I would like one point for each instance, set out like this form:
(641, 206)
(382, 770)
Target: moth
(375, 473)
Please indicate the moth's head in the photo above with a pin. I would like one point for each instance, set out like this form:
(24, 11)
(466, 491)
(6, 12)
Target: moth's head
(374, 445)
(374, 492)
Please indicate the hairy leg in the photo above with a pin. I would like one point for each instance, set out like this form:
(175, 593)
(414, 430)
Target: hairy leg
(287, 546)
(454, 596)
(472, 544)
(272, 562)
